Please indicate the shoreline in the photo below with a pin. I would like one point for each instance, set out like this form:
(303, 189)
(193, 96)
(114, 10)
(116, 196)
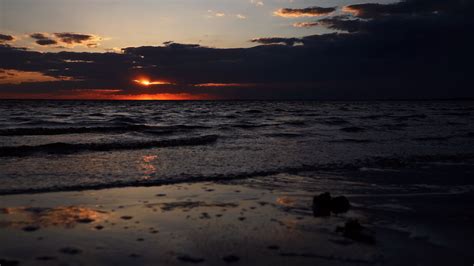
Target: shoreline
(415, 164)
(224, 223)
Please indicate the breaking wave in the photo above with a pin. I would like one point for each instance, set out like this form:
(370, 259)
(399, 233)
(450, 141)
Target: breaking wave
(68, 148)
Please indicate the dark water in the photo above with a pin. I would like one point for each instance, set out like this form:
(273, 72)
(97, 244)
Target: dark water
(60, 145)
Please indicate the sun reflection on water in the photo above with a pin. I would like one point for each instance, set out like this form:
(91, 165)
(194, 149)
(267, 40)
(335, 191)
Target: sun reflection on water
(147, 166)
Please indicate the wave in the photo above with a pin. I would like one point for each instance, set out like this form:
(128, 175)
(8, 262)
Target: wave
(253, 111)
(108, 129)
(458, 114)
(352, 129)
(68, 148)
(284, 135)
(69, 130)
(389, 162)
(248, 125)
(43, 122)
(126, 120)
(410, 117)
(295, 123)
(375, 117)
(244, 125)
(333, 121)
(433, 138)
(349, 140)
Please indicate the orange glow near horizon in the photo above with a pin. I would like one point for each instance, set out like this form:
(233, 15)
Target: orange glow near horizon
(163, 97)
(147, 82)
(223, 85)
(107, 94)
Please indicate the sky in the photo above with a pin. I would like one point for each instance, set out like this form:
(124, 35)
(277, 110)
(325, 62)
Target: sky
(122, 23)
(235, 49)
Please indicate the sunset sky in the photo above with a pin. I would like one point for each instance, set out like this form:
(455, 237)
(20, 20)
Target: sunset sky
(235, 49)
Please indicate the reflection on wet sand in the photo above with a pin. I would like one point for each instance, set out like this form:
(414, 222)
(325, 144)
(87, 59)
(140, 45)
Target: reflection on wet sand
(285, 201)
(181, 224)
(35, 217)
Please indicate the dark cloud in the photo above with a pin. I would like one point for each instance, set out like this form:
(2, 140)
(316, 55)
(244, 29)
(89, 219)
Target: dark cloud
(66, 39)
(342, 23)
(6, 38)
(277, 40)
(42, 39)
(410, 54)
(46, 42)
(410, 7)
(71, 38)
(39, 36)
(304, 12)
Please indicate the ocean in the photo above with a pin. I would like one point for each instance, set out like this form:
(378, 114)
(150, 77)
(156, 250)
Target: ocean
(76, 145)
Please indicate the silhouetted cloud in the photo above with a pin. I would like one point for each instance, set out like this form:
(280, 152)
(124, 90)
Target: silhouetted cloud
(66, 39)
(39, 36)
(305, 24)
(6, 38)
(46, 42)
(408, 7)
(277, 40)
(71, 38)
(304, 12)
(342, 23)
(42, 39)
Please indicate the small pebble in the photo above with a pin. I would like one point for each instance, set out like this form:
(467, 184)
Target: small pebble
(30, 228)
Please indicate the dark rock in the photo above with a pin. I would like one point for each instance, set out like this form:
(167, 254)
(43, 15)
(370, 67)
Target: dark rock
(187, 258)
(133, 255)
(355, 231)
(230, 258)
(5, 262)
(125, 217)
(322, 205)
(204, 215)
(340, 204)
(85, 220)
(45, 258)
(99, 227)
(273, 247)
(30, 228)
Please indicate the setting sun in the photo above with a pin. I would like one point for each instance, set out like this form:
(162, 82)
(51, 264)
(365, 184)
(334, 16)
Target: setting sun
(146, 82)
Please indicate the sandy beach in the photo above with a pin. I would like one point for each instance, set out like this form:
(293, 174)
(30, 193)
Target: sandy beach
(238, 223)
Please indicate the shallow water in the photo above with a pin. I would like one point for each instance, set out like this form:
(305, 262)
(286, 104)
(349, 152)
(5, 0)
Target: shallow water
(64, 145)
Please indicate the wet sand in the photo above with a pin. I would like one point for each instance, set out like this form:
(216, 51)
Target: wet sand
(227, 223)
